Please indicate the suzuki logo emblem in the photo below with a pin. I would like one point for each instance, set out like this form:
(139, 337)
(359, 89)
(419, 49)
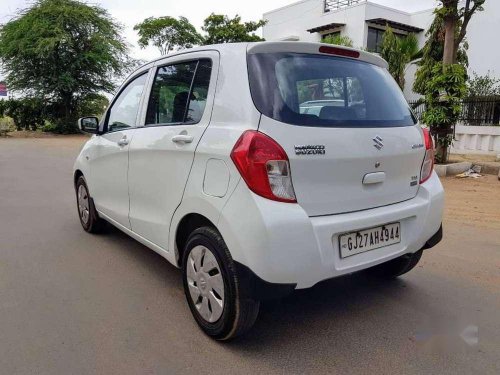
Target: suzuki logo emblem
(378, 143)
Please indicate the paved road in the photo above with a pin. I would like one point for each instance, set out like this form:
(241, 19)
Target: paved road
(74, 303)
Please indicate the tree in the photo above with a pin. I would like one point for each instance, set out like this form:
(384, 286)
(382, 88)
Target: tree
(483, 86)
(61, 51)
(443, 108)
(222, 29)
(442, 74)
(93, 105)
(167, 33)
(483, 99)
(340, 40)
(399, 52)
(456, 22)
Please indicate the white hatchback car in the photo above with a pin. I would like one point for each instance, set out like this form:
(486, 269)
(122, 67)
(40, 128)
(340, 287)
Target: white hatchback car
(205, 157)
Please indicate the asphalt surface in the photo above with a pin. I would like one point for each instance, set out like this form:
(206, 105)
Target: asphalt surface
(74, 303)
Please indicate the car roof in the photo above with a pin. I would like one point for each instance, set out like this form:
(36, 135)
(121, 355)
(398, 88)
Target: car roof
(266, 47)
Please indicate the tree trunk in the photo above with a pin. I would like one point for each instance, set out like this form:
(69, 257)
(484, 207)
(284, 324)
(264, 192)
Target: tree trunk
(449, 58)
(450, 23)
(442, 152)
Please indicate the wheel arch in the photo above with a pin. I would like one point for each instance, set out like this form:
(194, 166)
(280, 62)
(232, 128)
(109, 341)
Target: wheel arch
(186, 226)
(78, 173)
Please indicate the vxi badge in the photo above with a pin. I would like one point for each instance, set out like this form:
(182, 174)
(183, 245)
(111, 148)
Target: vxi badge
(310, 150)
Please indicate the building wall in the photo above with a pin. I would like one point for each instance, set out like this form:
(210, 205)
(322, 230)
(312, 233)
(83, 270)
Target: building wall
(482, 35)
(423, 20)
(476, 140)
(293, 21)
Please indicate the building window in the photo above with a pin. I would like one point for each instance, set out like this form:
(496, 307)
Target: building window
(375, 39)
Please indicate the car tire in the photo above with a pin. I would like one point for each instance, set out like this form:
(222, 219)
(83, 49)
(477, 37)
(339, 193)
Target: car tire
(212, 287)
(89, 218)
(398, 266)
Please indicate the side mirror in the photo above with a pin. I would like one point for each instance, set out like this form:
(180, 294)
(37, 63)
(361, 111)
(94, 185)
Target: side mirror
(89, 124)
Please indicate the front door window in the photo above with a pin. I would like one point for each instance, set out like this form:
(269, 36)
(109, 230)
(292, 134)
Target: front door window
(123, 113)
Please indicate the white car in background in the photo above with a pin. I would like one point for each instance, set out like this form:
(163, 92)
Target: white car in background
(206, 157)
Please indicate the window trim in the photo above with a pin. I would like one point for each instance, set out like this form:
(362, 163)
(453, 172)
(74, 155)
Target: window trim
(120, 91)
(151, 85)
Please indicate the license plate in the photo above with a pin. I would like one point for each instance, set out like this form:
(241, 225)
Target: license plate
(369, 239)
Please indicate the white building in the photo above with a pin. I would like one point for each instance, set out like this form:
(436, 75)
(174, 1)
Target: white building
(365, 21)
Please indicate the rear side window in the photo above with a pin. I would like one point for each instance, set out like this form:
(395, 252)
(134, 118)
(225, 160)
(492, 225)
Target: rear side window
(179, 93)
(199, 91)
(326, 91)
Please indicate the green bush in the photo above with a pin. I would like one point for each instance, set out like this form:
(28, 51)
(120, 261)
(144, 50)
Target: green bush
(340, 40)
(26, 113)
(479, 86)
(6, 124)
(49, 127)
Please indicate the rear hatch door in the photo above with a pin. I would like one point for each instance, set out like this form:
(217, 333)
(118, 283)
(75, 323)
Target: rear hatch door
(355, 172)
(351, 139)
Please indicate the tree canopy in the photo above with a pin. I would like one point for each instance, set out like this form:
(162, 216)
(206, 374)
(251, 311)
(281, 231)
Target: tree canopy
(167, 33)
(480, 86)
(222, 29)
(62, 51)
(399, 51)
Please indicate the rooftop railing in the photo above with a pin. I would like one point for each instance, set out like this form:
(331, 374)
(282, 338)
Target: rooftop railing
(332, 5)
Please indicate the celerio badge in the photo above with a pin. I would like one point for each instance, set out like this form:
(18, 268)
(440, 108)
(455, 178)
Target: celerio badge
(310, 150)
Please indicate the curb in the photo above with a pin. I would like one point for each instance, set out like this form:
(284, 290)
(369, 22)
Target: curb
(457, 168)
(443, 170)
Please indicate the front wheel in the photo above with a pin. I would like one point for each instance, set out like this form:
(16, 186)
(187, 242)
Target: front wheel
(212, 287)
(398, 266)
(89, 218)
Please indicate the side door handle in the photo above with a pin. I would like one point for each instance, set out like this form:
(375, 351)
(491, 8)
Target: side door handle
(123, 142)
(182, 138)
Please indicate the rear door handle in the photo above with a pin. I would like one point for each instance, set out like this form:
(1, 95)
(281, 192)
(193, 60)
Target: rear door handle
(123, 142)
(374, 178)
(182, 138)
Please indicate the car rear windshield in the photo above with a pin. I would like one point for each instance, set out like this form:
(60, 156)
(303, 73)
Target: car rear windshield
(326, 91)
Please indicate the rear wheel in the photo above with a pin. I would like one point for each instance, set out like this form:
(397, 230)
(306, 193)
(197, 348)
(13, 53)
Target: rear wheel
(212, 287)
(87, 213)
(398, 266)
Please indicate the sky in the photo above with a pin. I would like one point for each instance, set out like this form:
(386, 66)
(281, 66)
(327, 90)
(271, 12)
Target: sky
(131, 12)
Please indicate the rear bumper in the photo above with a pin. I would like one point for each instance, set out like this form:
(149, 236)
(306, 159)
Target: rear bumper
(280, 244)
(434, 240)
(254, 287)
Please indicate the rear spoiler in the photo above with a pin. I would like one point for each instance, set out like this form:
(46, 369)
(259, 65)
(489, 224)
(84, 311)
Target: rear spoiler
(317, 48)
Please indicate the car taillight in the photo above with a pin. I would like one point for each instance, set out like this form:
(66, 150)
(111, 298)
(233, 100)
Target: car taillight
(264, 166)
(428, 164)
(339, 51)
